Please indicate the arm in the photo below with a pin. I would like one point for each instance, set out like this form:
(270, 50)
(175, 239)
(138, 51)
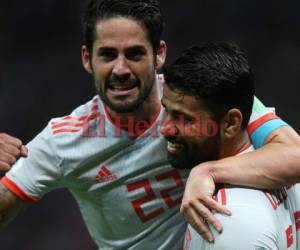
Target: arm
(10, 206)
(274, 165)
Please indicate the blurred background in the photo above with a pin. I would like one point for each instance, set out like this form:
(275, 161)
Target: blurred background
(41, 77)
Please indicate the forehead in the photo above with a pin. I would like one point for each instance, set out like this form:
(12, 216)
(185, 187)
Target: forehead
(176, 100)
(120, 32)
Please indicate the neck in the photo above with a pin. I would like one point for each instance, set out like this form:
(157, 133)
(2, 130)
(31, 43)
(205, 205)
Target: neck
(235, 145)
(147, 112)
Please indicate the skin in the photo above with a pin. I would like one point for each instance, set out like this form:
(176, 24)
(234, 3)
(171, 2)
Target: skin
(10, 206)
(11, 149)
(253, 169)
(185, 148)
(227, 142)
(283, 145)
(123, 64)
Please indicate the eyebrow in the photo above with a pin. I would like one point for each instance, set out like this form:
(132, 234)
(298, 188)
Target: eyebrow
(136, 48)
(102, 49)
(140, 48)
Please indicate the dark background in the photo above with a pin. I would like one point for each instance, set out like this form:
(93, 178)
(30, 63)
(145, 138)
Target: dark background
(41, 77)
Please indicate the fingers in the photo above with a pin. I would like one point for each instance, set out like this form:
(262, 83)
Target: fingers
(11, 149)
(7, 139)
(4, 166)
(198, 211)
(208, 216)
(213, 205)
(24, 151)
(198, 224)
(9, 153)
(6, 161)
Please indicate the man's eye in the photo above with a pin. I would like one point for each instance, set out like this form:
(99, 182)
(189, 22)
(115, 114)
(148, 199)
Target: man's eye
(107, 55)
(135, 53)
(134, 56)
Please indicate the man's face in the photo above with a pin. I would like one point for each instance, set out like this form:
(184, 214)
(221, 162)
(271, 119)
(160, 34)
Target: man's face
(122, 63)
(190, 141)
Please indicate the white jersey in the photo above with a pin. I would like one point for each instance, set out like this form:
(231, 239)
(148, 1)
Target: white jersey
(128, 194)
(260, 220)
(294, 193)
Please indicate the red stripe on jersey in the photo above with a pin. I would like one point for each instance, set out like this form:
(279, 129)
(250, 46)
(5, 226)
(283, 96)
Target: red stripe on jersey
(297, 219)
(65, 124)
(257, 123)
(70, 126)
(223, 196)
(78, 119)
(72, 118)
(272, 200)
(289, 236)
(69, 119)
(94, 108)
(65, 130)
(14, 188)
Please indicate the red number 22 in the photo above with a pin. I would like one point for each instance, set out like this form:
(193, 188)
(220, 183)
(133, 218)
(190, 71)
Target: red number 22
(150, 195)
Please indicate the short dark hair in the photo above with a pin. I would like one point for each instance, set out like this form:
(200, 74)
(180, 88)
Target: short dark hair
(219, 74)
(146, 12)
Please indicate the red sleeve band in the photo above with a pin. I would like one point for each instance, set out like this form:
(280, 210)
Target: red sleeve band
(11, 186)
(255, 124)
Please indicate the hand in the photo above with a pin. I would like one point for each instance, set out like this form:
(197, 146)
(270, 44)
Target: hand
(198, 203)
(11, 149)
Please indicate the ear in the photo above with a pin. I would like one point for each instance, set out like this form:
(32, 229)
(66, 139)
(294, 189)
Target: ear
(86, 59)
(161, 55)
(232, 123)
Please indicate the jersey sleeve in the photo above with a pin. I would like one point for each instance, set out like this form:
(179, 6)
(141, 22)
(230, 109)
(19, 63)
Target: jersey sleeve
(263, 121)
(32, 177)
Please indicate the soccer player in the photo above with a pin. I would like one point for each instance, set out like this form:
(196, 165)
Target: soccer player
(109, 152)
(208, 98)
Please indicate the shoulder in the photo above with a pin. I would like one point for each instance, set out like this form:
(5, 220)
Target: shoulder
(253, 219)
(80, 119)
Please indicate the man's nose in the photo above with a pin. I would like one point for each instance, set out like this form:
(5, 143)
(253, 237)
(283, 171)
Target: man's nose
(169, 128)
(121, 67)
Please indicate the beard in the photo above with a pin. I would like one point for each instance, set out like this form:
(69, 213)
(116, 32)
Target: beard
(126, 106)
(193, 155)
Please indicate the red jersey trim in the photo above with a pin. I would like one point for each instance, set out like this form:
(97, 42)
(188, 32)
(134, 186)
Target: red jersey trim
(297, 219)
(257, 123)
(73, 124)
(13, 187)
(223, 196)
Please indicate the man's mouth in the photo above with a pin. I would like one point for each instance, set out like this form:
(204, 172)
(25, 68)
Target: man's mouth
(122, 89)
(174, 148)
